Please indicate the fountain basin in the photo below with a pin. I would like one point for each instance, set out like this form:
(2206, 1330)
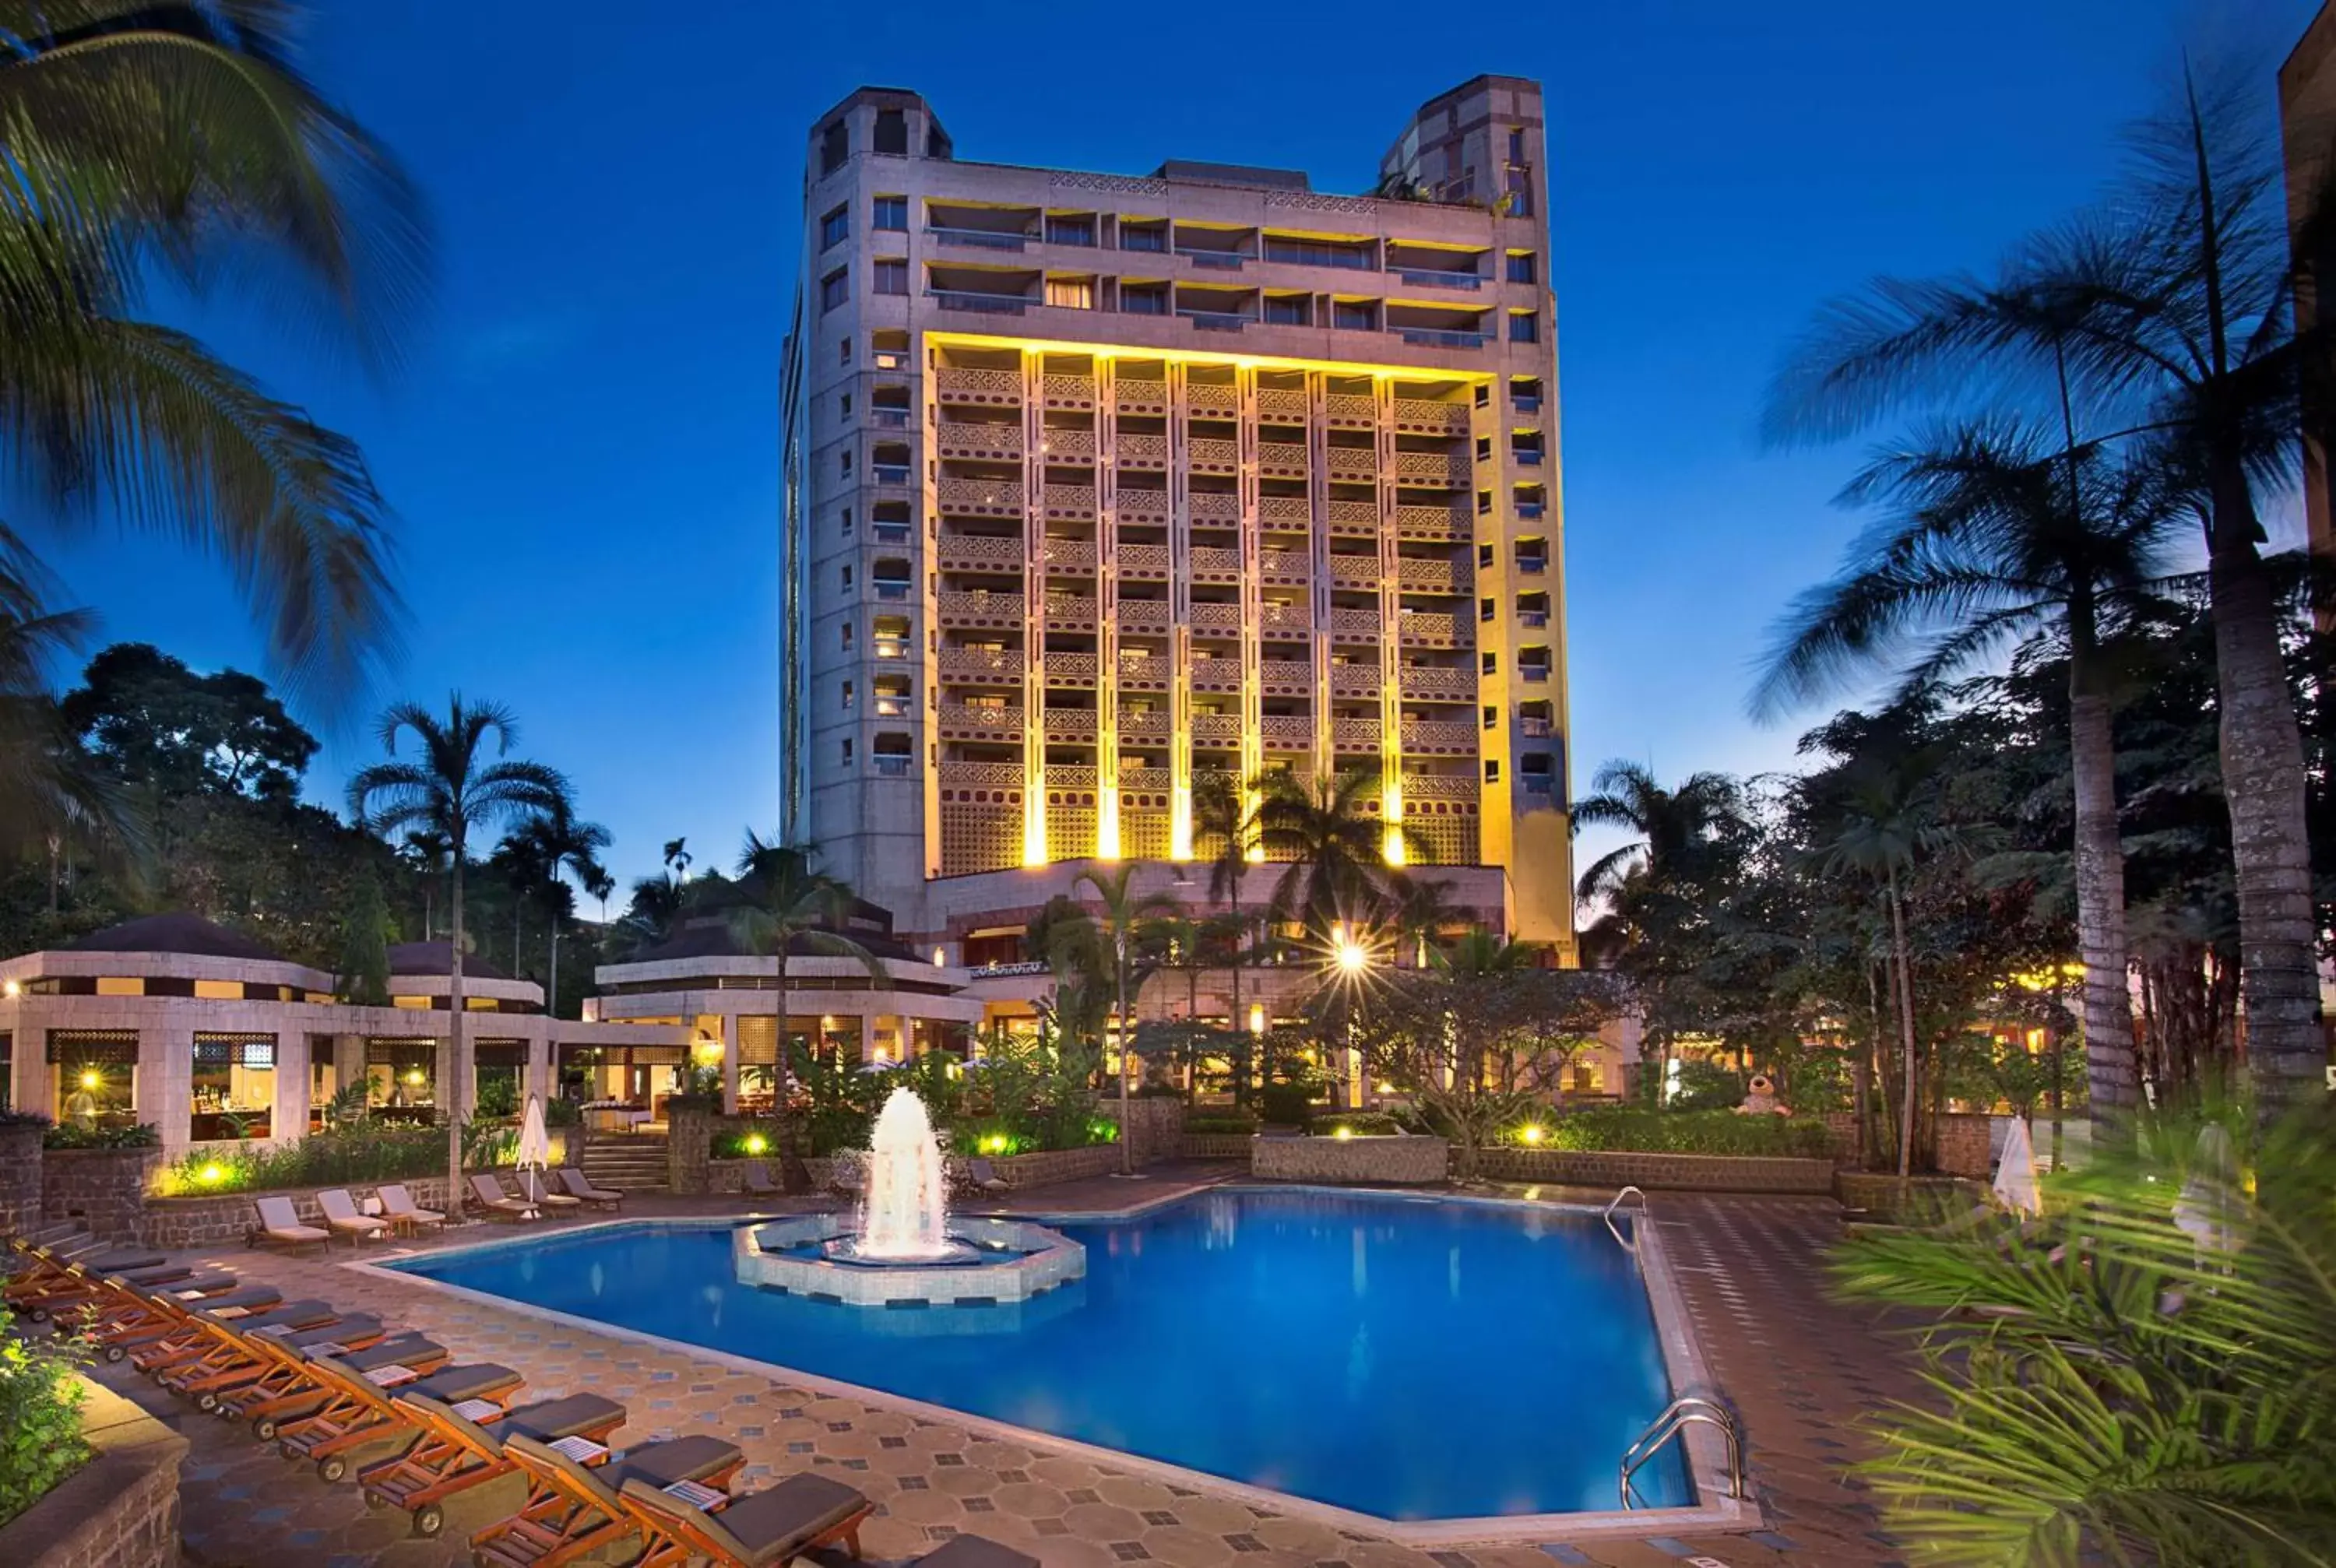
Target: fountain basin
(992, 1261)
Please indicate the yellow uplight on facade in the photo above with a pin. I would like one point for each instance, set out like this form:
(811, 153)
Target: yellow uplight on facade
(11, 988)
(708, 1052)
(1108, 824)
(941, 958)
(1180, 823)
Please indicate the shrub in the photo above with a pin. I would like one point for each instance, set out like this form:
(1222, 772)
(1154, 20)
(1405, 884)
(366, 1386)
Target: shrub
(1233, 1124)
(362, 1151)
(1359, 1125)
(1676, 1132)
(9, 1118)
(1285, 1105)
(755, 1141)
(70, 1136)
(40, 1419)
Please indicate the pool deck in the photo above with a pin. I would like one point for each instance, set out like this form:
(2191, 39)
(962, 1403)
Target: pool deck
(1800, 1368)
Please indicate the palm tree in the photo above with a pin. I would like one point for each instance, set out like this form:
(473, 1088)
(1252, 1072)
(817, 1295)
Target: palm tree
(168, 143)
(1125, 918)
(426, 852)
(1336, 850)
(51, 792)
(1225, 815)
(1478, 953)
(550, 845)
(2170, 310)
(450, 787)
(1419, 910)
(1997, 536)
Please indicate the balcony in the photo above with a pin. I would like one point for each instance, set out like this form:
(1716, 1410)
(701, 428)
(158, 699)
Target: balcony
(1214, 506)
(1216, 320)
(1355, 624)
(979, 665)
(1533, 728)
(1214, 260)
(1070, 671)
(1350, 410)
(1144, 506)
(1281, 459)
(1139, 672)
(1428, 337)
(1432, 577)
(1285, 618)
(991, 388)
(1533, 565)
(1285, 511)
(1210, 456)
(1356, 572)
(1537, 673)
(983, 775)
(1353, 463)
(1284, 566)
(1070, 554)
(1281, 404)
(1071, 502)
(964, 721)
(1213, 564)
(1001, 610)
(1462, 788)
(980, 304)
(892, 764)
(1425, 416)
(1065, 445)
(1142, 615)
(889, 532)
(1355, 734)
(1438, 278)
(1210, 400)
(1071, 611)
(1216, 675)
(889, 418)
(1433, 685)
(1433, 523)
(1438, 737)
(1286, 732)
(959, 438)
(894, 474)
(978, 497)
(1223, 729)
(1140, 452)
(1150, 726)
(1072, 725)
(1425, 628)
(1354, 680)
(977, 238)
(979, 552)
(1143, 563)
(1207, 616)
(1355, 519)
(891, 590)
(1285, 677)
(1432, 468)
(1137, 396)
(1071, 392)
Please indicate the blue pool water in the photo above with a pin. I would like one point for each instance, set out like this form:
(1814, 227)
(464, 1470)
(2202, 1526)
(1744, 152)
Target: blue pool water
(1411, 1358)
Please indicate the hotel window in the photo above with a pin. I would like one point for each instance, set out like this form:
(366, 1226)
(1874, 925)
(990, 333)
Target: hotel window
(892, 277)
(94, 1075)
(1071, 293)
(843, 351)
(233, 1091)
(892, 132)
(1143, 298)
(1484, 394)
(1137, 236)
(1484, 557)
(1075, 229)
(834, 146)
(891, 215)
(1492, 717)
(1524, 326)
(846, 575)
(834, 227)
(845, 517)
(1525, 447)
(1354, 314)
(1533, 555)
(1483, 448)
(847, 751)
(1289, 309)
(1524, 393)
(846, 629)
(1489, 663)
(1484, 503)
(1492, 771)
(843, 406)
(834, 288)
(849, 695)
(1520, 267)
(1533, 663)
(1516, 146)
(401, 1074)
(843, 464)
(1487, 608)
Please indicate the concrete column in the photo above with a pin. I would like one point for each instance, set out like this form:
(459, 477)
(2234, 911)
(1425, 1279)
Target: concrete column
(540, 1057)
(166, 1083)
(348, 1061)
(290, 1115)
(730, 1043)
(446, 1091)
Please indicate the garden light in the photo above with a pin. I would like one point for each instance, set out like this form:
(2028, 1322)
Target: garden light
(212, 1176)
(1343, 1132)
(757, 1142)
(1531, 1132)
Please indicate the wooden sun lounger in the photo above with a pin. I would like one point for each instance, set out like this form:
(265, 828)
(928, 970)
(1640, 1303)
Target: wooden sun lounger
(317, 1388)
(360, 1411)
(398, 1207)
(176, 1325)
(573, 1510)
(239, 1351)
(761, 1529)
(535, 1187)
(283, 1365)
(454, 1453)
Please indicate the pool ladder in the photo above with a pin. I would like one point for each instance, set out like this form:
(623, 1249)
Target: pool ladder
(1629, 1242)
(1686, 1410)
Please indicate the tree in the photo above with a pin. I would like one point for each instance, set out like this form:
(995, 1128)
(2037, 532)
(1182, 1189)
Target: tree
(1224, 816)
(1419, 910)
(171, 143)
(1996, 536)
(362, 976)
(451, 786)
(1122, 930)
(2169, 310)
(1336, 850)
(162, 727)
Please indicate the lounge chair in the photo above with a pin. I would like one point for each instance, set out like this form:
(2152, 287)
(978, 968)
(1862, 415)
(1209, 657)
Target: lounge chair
(279, 1226)
(130, 1304)
(760, 1530)
(360, 1410)
(176, 1324)
(275, 1363)
(755, 1181)
(579, 1186)
(341, 1213)
(572, 1511)
(398, 1207)
(982, 1176)
(454, 1453)
(488, 1193)
(536, 1187)
(84, 1286)
(218, 1345)
(845, 1179)
(409, 1352)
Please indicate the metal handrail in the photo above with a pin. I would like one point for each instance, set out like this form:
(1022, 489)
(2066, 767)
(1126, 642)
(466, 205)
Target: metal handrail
(1629, 1244)
(1686, 1410)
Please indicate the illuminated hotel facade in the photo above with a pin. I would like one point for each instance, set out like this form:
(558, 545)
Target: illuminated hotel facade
(1099, 485)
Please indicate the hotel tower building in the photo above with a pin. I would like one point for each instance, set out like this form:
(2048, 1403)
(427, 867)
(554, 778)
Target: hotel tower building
(1100, 484)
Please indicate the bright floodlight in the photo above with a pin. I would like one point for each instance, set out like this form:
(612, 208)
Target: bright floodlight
(1353, 957)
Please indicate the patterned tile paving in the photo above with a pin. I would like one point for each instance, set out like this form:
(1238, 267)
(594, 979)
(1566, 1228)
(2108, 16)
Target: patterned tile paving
(1800, 1368)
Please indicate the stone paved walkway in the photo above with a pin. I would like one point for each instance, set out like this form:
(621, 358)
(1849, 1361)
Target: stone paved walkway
(1801, 1368)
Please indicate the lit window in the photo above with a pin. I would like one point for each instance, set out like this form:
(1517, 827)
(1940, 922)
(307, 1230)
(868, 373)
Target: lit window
(892, 277)
(1071, 293)
(834, 227)
(891, 215)
(834, 288)
(1491, 767)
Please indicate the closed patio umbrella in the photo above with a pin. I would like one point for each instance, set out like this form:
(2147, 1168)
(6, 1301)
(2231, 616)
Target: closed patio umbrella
(2015, 1178)
(534, 1149)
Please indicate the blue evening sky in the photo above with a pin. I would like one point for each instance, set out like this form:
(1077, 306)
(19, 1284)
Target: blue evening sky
(582, 451)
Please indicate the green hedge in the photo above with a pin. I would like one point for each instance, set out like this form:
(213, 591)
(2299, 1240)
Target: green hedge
(70, 1136)
(40, 1419)
(365, 1152)
(1222, 1123)
(1636, 1131)
(1357, 1124)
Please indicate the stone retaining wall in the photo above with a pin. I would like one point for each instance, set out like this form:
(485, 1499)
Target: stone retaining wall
(730, 1175)
(21, 1201)
(102, 1190)
(121, 1510)
(1155, 1126)
(1014, 1170)
(1217, 1145)
(1964, 1147)
(175, 1222)
(1404, 1161)
(1687, 1172)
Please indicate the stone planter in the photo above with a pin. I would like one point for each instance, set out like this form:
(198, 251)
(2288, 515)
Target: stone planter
(1404, 1161)
(121, 1510)
(228, 1217)
(102, 1190)
(1217, 1145)
(1682, 1172)
(21, 1203)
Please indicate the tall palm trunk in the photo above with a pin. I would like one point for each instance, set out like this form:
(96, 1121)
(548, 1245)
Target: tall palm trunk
(1240, 1020)
(450, 1093)
(1905, 1025)
(1119, 1006)
(2101, 890)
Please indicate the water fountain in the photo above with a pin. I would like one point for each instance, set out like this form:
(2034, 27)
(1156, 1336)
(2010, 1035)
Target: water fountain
(902, 1247)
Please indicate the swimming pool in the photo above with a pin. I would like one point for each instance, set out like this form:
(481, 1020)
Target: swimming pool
(1413, 1358)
